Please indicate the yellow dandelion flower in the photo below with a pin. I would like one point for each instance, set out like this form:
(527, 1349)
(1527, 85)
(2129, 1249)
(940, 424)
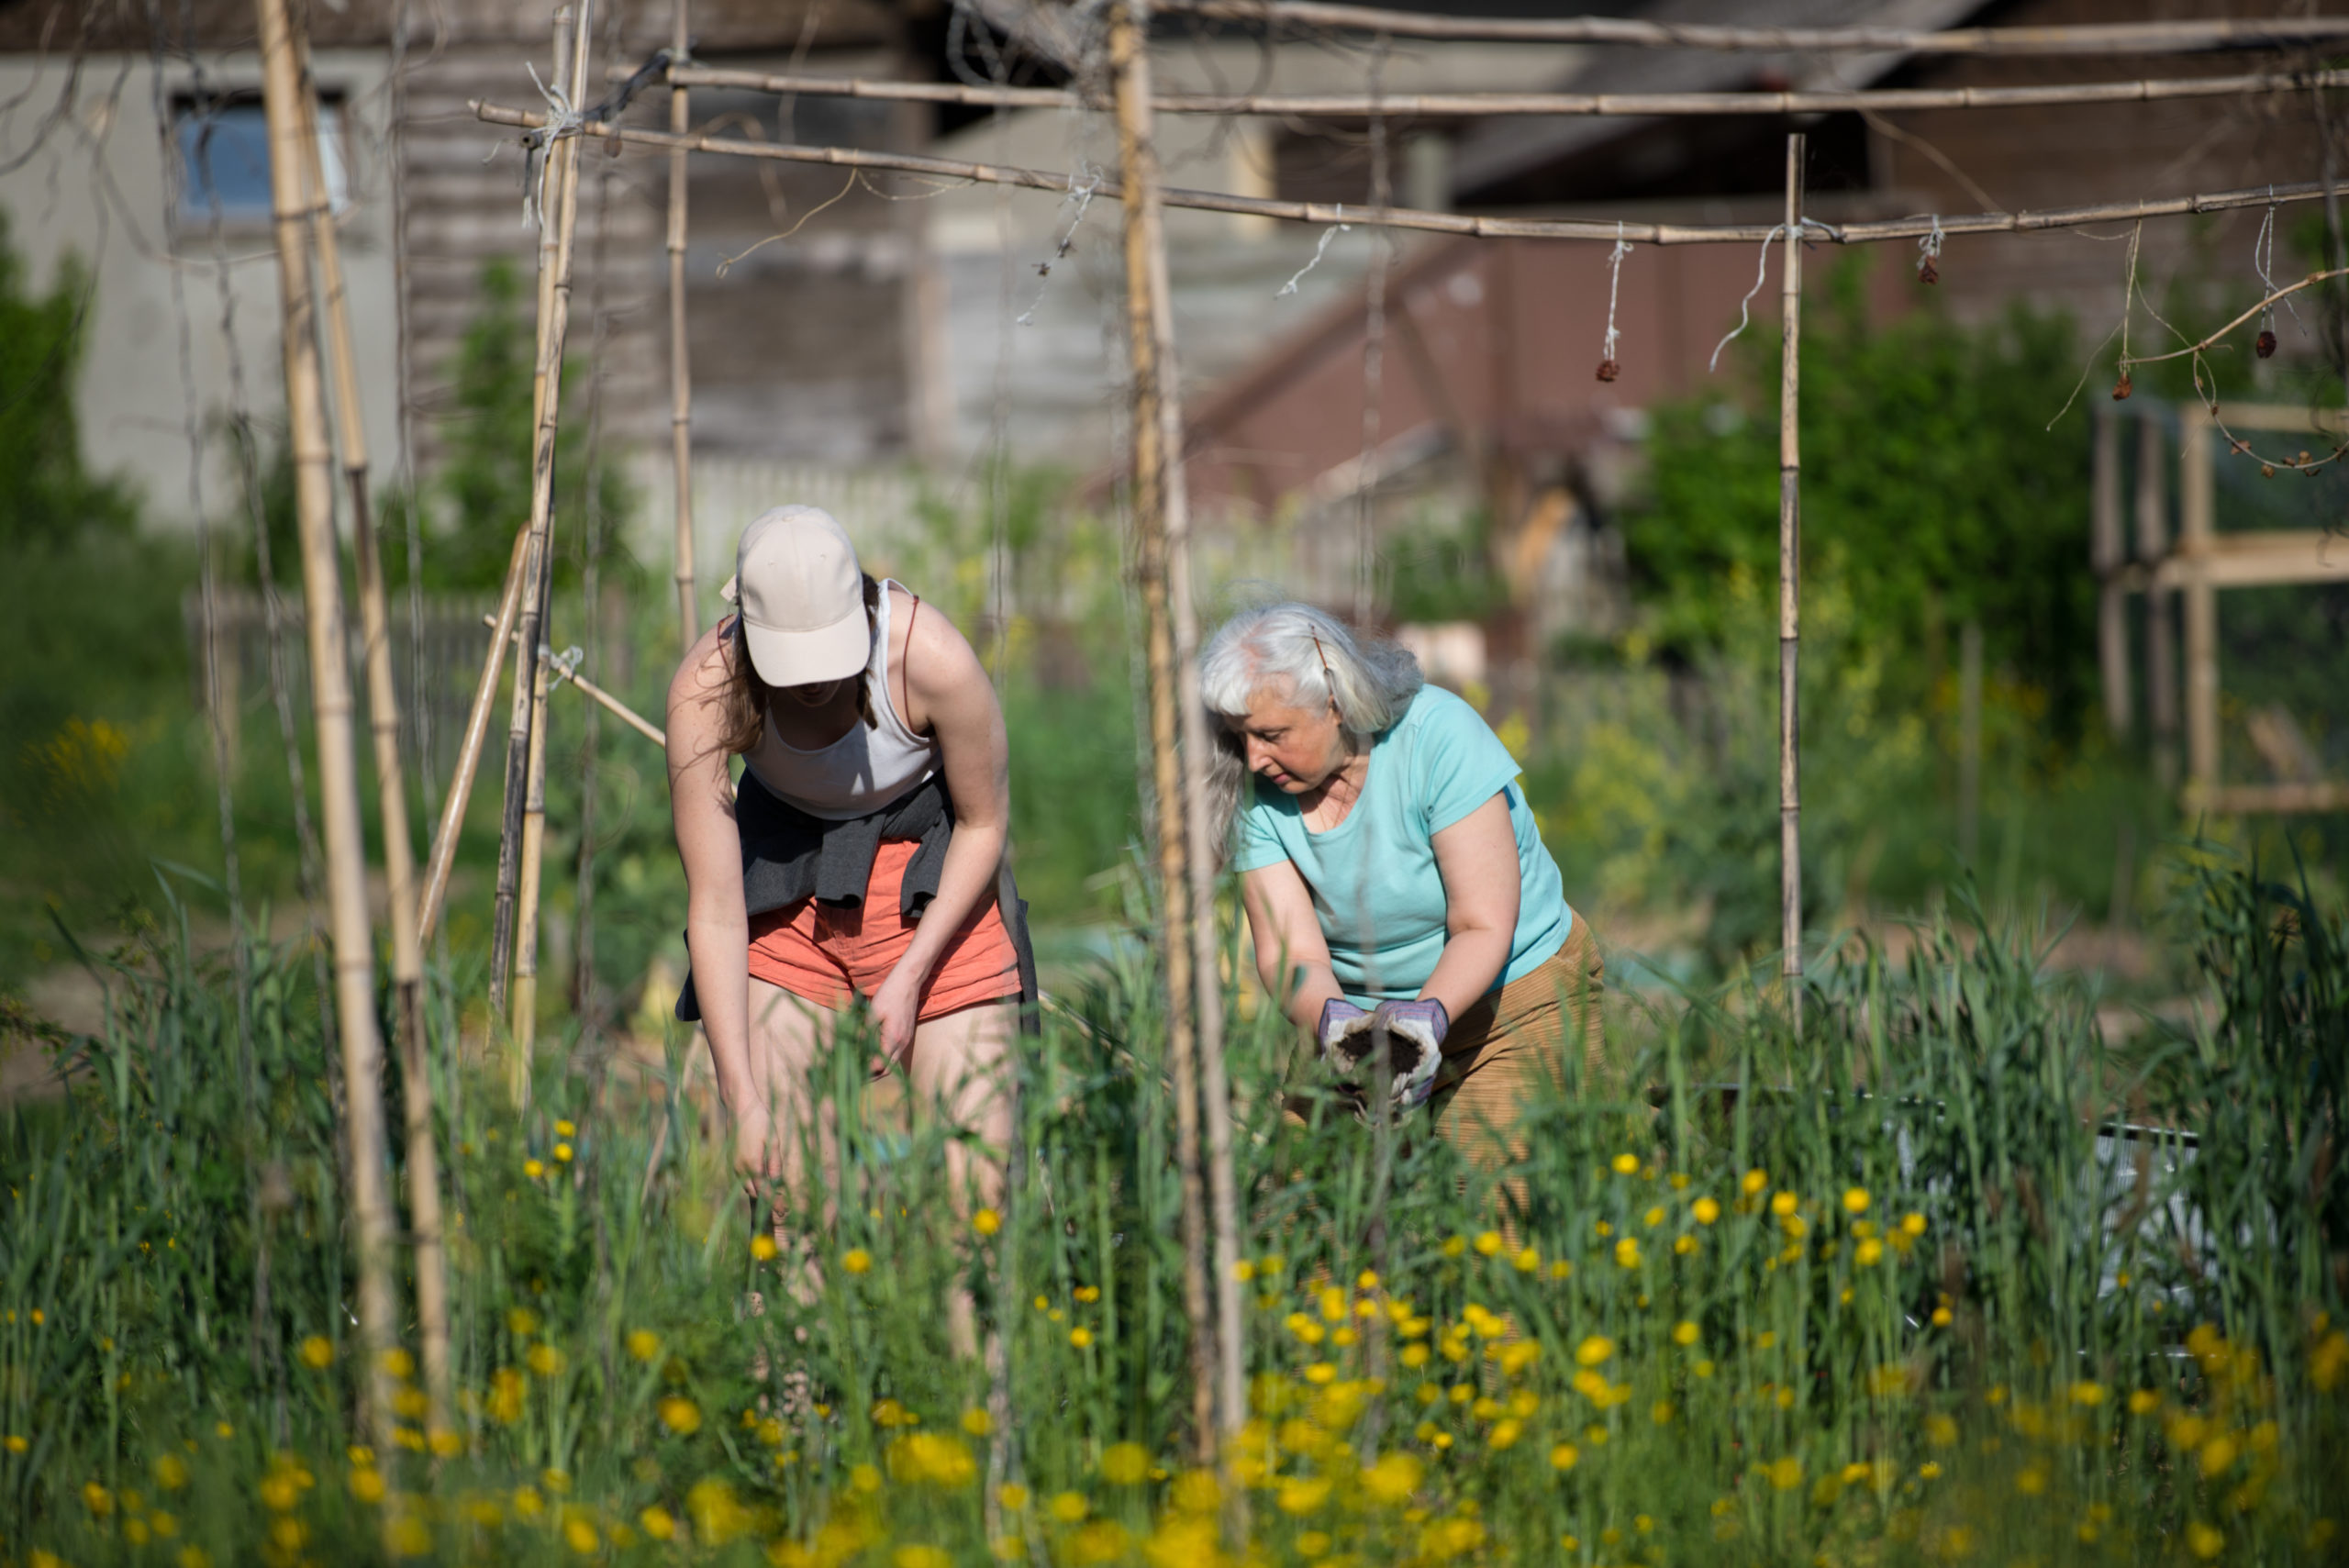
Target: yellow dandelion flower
(1626, 1164)
(1124, 1465)
(762, 1247)
(1529, 1261)
(857, 1261)
(317, 1351)
(2205, 1542)
(562, 1153)
(1012, 1496)
(1488, 1243)
(986, 1222)
(643, 1344)
(1564, 1456)
(680, 1415)
(1868, 1253)
(1594, 1350)
(1684, 1333)
(1392, 1477)
(1302, 1494)
(1069, 1507)
(657, 1523)
(1856, 1200)
(534, 1169)
(1784, 1203)
(1754, 1182)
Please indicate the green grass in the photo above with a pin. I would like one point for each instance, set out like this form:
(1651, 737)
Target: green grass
(1713, 1327)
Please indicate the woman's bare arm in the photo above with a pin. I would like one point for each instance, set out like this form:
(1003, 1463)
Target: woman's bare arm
(1476, 857)
(1292, 956)
(701, 804)
(949, 694)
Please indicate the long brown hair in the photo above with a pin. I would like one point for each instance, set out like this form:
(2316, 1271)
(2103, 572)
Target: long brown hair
(747, 697)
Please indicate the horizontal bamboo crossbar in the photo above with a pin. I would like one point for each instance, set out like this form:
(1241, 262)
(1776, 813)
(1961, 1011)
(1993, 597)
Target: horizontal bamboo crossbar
(2269, 558)
(2246, 800)
(1457, 105)
(2087, 38)
(1864, 233)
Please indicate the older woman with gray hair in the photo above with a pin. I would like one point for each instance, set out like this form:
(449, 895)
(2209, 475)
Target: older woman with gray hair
(1392, 874)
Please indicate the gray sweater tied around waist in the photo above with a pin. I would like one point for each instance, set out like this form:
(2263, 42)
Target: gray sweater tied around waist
(789, 856)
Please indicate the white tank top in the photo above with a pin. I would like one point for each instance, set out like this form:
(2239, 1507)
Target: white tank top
(865, 769)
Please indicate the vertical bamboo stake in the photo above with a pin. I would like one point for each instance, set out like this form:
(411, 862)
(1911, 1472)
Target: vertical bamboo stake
(1790, 594)
(515, 920)
(346, 848)
(681, 384)
(2161, 648)
(1969, 741)
(391, 786)
(2107, 548)
(2201, 600)
(1145, 257)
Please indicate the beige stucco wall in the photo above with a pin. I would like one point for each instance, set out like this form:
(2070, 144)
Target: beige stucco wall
(95, 185)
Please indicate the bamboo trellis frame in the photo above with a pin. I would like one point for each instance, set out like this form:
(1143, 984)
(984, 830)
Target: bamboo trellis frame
(2082, 38)
(1177, 741)
(1816, 230)
(1457, 105)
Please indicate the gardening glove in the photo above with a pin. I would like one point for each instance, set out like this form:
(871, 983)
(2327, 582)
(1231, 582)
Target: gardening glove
(1422, 1025)
(1339, 1019)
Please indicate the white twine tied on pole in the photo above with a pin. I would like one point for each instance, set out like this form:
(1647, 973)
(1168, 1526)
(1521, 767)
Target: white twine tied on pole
(1929, 251)
(1083, 196)
(1608, 368)
(561, 120)
(1319, 251)
(1761, 271)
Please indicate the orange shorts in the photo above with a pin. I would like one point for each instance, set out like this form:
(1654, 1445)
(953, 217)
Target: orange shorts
(828, 956)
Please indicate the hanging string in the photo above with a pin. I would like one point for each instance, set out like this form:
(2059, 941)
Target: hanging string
(1761, 271)
(1744, 306)
(1083, 196)
(1608, 368)
(1318, 252)
(2263, 260)
(1929, 251)
(2121, 388)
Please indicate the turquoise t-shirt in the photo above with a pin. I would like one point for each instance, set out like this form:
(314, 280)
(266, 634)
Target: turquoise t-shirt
(1376, 887)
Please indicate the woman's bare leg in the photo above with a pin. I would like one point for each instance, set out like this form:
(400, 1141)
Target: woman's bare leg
(958, 1067)
(792, 1118)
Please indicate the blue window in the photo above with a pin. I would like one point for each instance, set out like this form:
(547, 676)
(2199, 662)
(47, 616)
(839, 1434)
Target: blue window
(223, 144)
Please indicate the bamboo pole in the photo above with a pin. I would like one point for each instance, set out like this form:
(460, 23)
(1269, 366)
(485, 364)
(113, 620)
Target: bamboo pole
(2200, 597)
(2161, 643)
(681, 386)
(1790, 591)
(2079, 39)
(1868, 232)
(443, 858)
(554, 304)
(1146, 302)
(391, 788)
(558, 211)
(2108, 551)
(1494, 105)
(346, 850)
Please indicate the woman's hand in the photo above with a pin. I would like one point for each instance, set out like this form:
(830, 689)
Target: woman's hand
(896, 1008)
(752, 1121)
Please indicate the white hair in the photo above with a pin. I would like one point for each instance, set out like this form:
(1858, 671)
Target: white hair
(1308, 657)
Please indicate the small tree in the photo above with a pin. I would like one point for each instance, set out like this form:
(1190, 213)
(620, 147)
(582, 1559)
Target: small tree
(47, 497)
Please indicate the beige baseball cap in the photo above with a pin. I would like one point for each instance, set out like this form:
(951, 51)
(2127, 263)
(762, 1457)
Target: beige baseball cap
(801, 594)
